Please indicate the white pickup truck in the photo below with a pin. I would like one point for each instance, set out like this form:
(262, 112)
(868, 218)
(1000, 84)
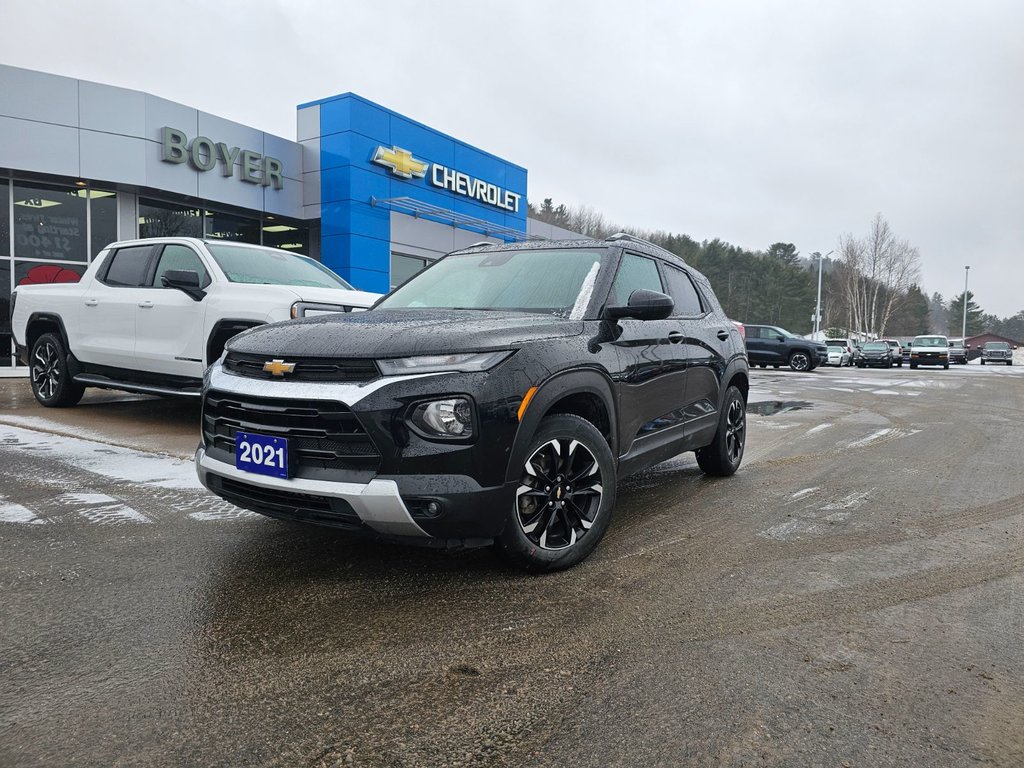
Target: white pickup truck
(151, 315)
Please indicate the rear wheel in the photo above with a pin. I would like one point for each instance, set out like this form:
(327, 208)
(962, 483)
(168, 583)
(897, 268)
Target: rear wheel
(799, 361)
(565, 497)
(722, 458)
(48, 367)
(946, 366)
(983, 361)
(913, 366)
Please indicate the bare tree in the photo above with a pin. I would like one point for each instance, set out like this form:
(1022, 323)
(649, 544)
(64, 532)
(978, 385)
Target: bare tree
(876, 273)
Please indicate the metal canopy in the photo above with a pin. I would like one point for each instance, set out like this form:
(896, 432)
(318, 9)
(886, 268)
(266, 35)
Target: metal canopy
(430, 212)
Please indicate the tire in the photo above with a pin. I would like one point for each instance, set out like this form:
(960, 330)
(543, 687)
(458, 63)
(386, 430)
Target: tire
(799, 361)
(899, 364)
(541, 541)
(913, 366)
(723, 456)
(48, 371)
(888, 363)
(1009, 362)
(946, 367)
(983, 362)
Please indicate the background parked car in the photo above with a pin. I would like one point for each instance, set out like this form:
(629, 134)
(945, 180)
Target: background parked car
(997, 352)
(929, 349)
(957, 352)
(771, 345)
(875, 354)
(840, 352)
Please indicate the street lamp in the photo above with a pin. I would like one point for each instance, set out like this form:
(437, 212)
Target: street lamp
(817, 304)
(963, 331)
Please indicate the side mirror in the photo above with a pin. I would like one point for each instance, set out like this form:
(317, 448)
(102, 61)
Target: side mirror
(185, 280)
(780, 338)
(643, 305)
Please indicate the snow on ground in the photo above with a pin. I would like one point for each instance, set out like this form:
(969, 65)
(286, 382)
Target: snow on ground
(106, 460)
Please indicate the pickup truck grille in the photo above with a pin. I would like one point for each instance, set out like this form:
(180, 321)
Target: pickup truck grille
(306, 368)
(321, 435)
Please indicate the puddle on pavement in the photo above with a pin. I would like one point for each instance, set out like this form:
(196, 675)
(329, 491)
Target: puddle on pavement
(773, 407)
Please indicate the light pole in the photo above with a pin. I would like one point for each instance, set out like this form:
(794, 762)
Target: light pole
(817, 304)
(963, 331)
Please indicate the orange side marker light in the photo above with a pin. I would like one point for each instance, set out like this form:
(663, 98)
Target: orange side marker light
(526, 401)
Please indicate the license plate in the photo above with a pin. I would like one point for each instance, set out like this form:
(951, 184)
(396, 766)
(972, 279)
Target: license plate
(262, 454)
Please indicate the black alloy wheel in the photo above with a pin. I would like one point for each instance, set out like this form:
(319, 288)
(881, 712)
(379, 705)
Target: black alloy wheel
(722, 458)
(799, 361)
(564, 499)
(48, 370)
(559, 494)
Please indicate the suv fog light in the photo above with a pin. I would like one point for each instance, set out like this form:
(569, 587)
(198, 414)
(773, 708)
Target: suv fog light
(428, 508)
(452, 417)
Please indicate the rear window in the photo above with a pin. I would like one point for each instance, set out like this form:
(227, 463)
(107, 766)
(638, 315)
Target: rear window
(128, 266)
(835, 343)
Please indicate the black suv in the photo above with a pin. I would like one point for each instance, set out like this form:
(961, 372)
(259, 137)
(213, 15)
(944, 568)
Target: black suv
(771, 345)
(496, 397)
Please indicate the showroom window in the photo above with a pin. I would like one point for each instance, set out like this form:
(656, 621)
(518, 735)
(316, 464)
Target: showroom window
(158, 219)
(403, 267)
(288, 234)
(228, 226)
(102, 220)
(50, 223)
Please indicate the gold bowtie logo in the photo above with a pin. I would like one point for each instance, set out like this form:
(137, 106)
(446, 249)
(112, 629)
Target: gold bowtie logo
(558, 492)
(401, 162)
(278, 367)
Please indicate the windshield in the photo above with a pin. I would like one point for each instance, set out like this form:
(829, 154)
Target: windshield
(956, 343)
(556, 281)
(997, 345)
(875, 346)
(266, 266)
(931, 341)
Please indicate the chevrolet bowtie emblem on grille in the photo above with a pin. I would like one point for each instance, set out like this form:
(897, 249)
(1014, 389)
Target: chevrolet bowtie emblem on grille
(558, 492)
(401, 162)
(278, 367)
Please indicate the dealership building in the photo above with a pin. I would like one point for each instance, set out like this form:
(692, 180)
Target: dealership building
(372, 194)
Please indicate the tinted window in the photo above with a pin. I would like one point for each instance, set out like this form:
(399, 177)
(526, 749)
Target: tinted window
(680, 288)
(128, 266)
(180, 257)
(635, 273)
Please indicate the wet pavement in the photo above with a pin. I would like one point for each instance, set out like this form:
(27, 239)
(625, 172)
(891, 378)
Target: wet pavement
(853, 596)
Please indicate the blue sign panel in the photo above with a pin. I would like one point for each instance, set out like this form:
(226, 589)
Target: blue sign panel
(370, 154)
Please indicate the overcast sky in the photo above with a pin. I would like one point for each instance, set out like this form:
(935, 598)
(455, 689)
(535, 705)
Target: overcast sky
(753, 122)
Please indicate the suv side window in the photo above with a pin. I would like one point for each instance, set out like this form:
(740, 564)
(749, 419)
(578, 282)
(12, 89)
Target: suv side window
(683, 293)
(127, 267)
(635, 272)
(176, 256)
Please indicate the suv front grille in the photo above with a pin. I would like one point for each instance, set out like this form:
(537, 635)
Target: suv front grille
(306, 368)
(286, 505)
(322, 435)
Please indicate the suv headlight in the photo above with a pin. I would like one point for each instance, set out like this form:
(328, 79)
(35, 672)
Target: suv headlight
(471, 362)
(451, 417)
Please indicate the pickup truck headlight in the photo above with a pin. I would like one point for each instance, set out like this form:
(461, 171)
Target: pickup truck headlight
(451, 417)
(313, 308)
(471, 362)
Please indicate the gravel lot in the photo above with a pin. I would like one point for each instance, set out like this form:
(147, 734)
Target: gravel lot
(853, 596)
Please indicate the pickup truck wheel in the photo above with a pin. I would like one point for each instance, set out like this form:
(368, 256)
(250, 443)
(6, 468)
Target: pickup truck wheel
(799, 361)
(48, 369)
(565, 497)
(983, 361)
(722, 458)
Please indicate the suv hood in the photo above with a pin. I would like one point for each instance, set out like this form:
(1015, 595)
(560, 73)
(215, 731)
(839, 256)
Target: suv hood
(385, 333)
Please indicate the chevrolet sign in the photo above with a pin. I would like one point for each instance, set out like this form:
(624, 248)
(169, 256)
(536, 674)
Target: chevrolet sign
(402, 163)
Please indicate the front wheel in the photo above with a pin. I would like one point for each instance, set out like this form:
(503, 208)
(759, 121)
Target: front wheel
(946, 366)
(982, 362)
(565, 497)
(799, 361)
(48, 368)
(722, 458)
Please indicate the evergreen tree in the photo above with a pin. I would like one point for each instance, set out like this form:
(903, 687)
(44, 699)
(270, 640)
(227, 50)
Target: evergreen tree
(975, 316)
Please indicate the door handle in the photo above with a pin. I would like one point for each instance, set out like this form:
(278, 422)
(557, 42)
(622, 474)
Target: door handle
(723, 335)
(145, 304)
(675, 337)
(91, 302)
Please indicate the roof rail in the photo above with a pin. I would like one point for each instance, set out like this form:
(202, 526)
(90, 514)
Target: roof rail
(629, 237)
